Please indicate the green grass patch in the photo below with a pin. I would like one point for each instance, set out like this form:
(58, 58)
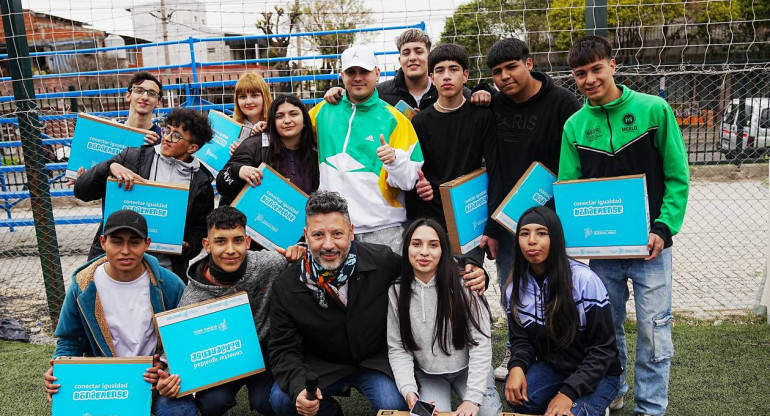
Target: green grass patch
(717, 370)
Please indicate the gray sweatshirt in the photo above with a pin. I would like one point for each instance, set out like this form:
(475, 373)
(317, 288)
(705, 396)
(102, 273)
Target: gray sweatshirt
(430, 359)
(172, 170)
(261, 271)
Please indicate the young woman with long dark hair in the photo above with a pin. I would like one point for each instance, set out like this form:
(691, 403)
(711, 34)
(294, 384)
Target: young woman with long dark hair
(564, 359)
(291, 151)
(439, 335)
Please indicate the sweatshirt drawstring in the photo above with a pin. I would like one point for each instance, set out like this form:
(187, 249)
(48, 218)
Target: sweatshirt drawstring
(422, 303)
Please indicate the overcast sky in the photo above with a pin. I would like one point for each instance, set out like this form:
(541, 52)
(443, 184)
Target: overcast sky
(239, 16)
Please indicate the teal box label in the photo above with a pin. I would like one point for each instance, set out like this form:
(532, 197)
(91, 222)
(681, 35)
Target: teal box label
(96, 140)
(465, 210)
(604, 218)
(211, 343)
(163, 206)
(216, 153)
(275, 210)
(533, 189)
(114, 389)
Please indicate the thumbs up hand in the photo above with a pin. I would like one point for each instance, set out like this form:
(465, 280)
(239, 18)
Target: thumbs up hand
(386, 153)
(423, 187)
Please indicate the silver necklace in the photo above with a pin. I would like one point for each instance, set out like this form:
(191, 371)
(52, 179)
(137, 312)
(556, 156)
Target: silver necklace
(449, 110)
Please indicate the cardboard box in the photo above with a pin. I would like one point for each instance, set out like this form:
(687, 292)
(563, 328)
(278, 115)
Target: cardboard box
(465, 209)
(275, 210)
(211, 343)
(534, 188)
(216, 152)
(97, 139)
(163, 205)
(101, 386)
(604, 218)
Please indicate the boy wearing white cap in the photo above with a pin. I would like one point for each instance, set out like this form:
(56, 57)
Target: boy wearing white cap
(368, 152)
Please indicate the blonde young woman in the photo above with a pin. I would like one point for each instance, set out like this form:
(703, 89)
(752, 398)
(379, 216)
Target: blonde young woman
(251, 101)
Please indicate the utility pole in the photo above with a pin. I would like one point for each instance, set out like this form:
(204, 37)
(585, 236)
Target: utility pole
(596, 17)
(164, 25)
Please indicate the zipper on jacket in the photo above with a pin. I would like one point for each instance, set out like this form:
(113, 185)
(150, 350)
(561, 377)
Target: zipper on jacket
(93, 334)
(607, 114)
(350, 126)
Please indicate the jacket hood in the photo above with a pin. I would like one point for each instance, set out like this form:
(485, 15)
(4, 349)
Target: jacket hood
(180, 168)
(542, 92)
(84, 275)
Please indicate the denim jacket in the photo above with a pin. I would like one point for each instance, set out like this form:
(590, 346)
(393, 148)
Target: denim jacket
(83, 329)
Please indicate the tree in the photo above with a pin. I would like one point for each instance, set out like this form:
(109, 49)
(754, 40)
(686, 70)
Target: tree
(480, 23)
(279, 22)
(652, 31)
(326, 15)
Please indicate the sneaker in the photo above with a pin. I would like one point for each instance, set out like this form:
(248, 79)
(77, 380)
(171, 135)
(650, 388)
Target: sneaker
(607, 412)
(617, 404)
(501, 372)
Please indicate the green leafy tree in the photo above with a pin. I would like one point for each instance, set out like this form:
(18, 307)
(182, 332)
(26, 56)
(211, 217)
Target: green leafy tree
(480, 23)
(650, 30)
(327, 15)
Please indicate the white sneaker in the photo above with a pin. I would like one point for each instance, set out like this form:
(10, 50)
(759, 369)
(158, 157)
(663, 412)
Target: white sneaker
(617, 404)
(607, 412)
(501, 372)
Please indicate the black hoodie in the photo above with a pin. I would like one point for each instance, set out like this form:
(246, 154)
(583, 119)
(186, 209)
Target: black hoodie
(527, 132)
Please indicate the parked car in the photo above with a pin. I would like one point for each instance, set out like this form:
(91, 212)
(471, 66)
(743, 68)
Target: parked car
(755, 138)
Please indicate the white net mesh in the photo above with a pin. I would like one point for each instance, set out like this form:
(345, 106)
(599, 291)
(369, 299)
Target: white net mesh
(700, 55)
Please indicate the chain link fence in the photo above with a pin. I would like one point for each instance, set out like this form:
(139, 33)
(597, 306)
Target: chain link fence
(719, 255)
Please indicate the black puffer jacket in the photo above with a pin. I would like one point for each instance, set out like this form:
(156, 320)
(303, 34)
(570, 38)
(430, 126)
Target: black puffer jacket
(91, 185)
(394, 90)
(250, 152)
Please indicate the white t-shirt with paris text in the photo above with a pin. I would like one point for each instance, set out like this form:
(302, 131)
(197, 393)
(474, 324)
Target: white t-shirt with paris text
(128, 311)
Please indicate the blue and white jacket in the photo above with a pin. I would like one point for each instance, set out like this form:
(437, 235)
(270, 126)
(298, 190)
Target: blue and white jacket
(592, 355)
(83, 329)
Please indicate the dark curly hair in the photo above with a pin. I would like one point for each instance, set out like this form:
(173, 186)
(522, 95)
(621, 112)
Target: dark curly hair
(192, 121)
(225, 218)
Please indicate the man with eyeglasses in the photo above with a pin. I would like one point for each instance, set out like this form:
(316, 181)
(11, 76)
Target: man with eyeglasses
(172, 161)
(143, 96)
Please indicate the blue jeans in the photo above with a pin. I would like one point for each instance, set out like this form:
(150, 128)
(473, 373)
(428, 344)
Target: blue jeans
(377, 387)
(216, 401)
(165, 406)
(543, 383)
(438, 388)
(654, 348)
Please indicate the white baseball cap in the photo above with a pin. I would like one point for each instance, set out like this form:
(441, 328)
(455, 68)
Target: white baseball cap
(361, 56)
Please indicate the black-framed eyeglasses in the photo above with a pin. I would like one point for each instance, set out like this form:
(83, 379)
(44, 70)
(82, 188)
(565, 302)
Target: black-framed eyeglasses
(174, 136)
(141, 91)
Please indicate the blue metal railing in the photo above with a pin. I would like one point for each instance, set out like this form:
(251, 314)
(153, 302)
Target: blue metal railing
(9, 198)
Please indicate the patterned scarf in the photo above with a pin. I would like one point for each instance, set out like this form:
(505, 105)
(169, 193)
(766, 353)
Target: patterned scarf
(322, 282)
